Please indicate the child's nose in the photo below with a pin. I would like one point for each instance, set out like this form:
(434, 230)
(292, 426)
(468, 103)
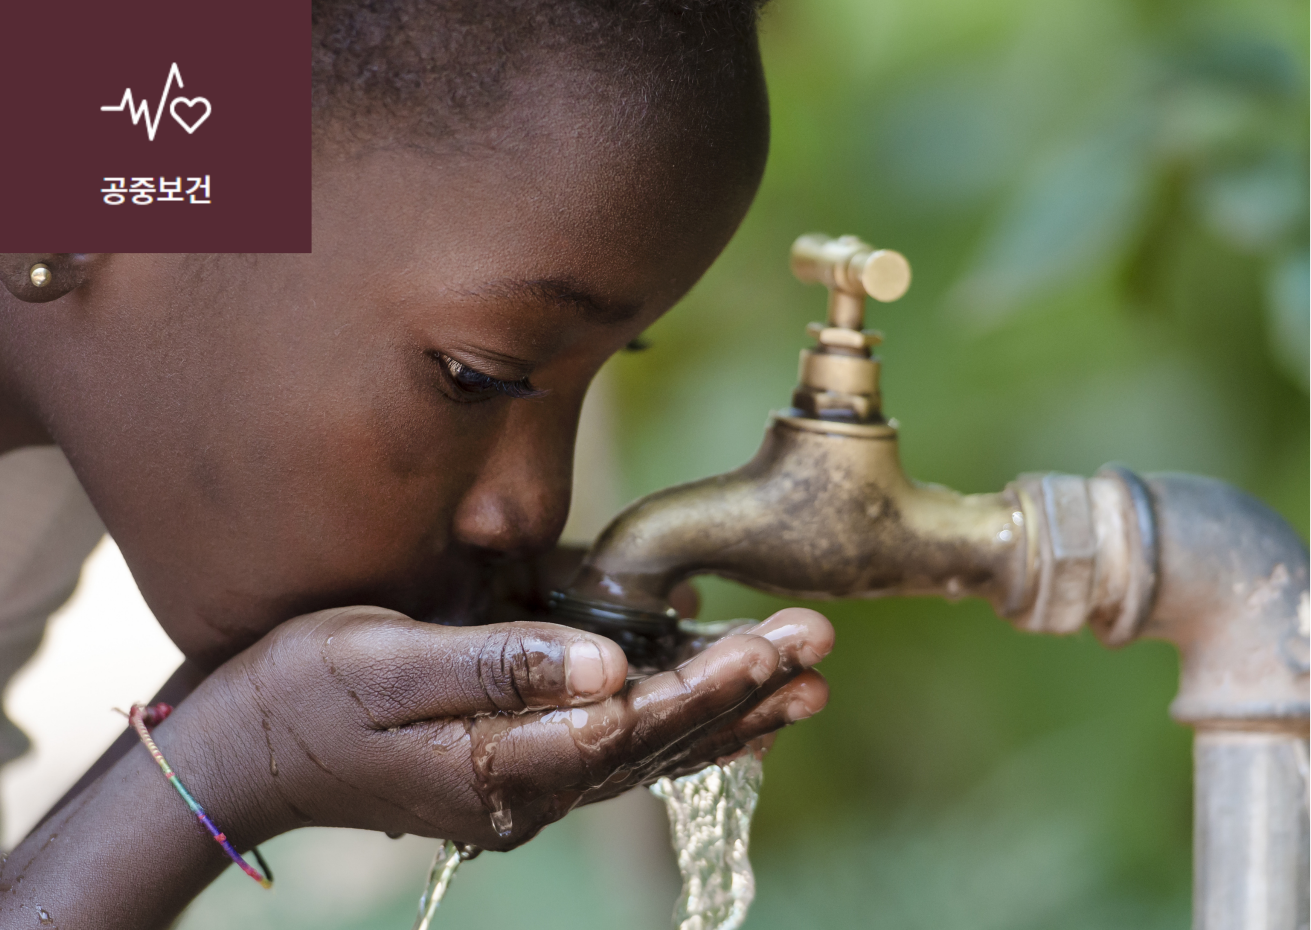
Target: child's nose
(519, 500)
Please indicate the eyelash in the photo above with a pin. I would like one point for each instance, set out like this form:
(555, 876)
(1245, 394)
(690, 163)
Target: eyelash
(471, 382)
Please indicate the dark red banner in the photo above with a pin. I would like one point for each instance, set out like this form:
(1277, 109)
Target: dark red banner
(152, 126)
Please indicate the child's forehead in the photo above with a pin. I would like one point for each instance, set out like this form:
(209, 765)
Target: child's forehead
(571, 163)
(577, 225)
(582, 185)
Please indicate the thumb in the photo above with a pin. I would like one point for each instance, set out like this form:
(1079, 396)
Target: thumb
(402, 670)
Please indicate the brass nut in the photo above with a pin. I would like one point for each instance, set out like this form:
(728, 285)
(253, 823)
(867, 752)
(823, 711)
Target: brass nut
(818, 403)
(844, 338)
(837, 427)
(1058, 511)
(842, 374)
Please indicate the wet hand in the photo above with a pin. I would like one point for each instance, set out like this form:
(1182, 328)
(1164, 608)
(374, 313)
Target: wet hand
(735, 694)
(364, 718)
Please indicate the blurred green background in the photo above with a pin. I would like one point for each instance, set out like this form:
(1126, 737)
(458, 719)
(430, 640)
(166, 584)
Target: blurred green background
(1105, 204)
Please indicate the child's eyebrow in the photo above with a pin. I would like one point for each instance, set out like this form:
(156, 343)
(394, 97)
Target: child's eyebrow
(563, 293)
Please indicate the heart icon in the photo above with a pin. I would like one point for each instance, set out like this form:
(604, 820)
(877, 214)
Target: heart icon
(190, 105)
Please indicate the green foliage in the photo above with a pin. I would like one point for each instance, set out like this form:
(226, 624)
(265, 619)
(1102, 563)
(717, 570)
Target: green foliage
(1105, 205)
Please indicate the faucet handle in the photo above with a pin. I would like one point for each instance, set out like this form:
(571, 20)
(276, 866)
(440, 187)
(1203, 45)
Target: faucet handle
(839, 378)
(852, 266)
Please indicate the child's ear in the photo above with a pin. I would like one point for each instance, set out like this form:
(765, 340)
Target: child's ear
(37, 277)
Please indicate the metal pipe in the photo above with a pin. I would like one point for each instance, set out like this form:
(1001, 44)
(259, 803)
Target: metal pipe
(1250, 830)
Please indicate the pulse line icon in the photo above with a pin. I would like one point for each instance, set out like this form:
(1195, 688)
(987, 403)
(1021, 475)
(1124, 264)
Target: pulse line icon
(139, 111)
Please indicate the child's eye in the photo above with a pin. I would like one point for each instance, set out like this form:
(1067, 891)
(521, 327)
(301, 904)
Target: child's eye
(472, 384)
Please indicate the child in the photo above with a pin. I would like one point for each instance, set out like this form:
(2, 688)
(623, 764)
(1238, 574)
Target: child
(505, 193)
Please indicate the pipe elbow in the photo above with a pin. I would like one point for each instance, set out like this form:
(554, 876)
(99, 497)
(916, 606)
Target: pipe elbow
(1232, 595)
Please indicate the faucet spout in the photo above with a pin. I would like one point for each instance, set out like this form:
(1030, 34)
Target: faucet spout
(824, 510)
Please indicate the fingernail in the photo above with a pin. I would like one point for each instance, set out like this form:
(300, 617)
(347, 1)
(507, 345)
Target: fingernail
(584, 672)
(760, 670)
(798, 710)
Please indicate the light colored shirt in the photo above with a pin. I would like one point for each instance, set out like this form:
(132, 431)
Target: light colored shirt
(47, 529)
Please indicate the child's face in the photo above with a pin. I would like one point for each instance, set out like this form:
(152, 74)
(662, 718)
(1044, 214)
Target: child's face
(267, 435)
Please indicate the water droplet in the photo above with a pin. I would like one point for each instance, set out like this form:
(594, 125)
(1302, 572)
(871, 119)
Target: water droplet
(485, 736)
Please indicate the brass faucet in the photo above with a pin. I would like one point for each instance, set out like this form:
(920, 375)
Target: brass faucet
(824, 510)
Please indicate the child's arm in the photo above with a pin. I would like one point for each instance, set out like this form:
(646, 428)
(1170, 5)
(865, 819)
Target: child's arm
(182, 682)
(364, 718)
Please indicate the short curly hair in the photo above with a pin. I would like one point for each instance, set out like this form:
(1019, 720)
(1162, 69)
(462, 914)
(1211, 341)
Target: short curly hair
(436, 69)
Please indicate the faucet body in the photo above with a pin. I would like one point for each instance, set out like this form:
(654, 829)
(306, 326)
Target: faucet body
(824, 510)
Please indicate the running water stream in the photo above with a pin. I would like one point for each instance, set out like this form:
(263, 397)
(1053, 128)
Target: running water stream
(710, 824)
(448, 859)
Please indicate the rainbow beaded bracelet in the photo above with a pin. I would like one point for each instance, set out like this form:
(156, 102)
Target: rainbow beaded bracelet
(142, 717)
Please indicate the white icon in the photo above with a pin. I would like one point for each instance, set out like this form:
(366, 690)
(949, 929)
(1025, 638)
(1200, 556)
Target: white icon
(139, 111)
(193, 102)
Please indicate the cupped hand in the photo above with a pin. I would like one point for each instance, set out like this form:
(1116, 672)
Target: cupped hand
(483, 735)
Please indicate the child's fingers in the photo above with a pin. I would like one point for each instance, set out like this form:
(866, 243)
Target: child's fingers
(400, 671)
(802, 697)
(759, 747)
(802, 636)
(671, 705)
(737, 665)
